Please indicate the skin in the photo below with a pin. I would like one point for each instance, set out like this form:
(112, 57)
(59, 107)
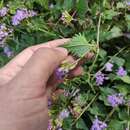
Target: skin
(26, 83)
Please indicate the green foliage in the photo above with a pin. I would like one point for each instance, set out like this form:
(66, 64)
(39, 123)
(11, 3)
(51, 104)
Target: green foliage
(79, 46)
(108, 38)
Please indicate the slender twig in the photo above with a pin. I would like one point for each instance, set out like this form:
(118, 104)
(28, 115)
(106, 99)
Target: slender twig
(98, 49)
(110, 114)
(128, 111)
(85, 109)
(96, 57)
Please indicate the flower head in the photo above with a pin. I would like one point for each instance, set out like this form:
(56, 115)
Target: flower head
(64, 114)
(49, 125)
(3, 11)
(100, 77)
(7, 51)
(61, 73)
(98, 125)
(128, 3)
(121, 72)
(116, 99)
(22, 14)
(4, 31)
(109, 66)
(49, 102)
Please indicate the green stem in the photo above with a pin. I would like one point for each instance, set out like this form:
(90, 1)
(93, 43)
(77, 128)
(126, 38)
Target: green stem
(110, 114)
(85, 109)
(128, 111)
(98, 49)
(96, 57)
(89, 77)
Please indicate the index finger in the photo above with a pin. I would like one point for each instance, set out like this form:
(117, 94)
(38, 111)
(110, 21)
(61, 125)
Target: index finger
(15, 65)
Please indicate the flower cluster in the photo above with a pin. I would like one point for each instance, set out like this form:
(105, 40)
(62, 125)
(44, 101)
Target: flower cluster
(22, 14)
(116, 99)
(4, 31)
(49, 125)
(100, 78)
(3, 11)
(61, 73)
(98, 125)
(108, 66)
(121, 72)
(7, 51)
(64, 114)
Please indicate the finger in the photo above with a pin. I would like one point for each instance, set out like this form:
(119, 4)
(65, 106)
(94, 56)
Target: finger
(38, 69)
(15, 65)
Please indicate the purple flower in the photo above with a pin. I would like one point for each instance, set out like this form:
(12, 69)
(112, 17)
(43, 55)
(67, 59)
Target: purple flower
(22, 14)
(121, 72)
(7, 51)
(100, 77)
(59, 128)
(128, 3)
(49, 125)
(98, 125)
(109, 67)
(61, 73)
(3, 11)
(116, 99)
(49, 103)
(4, 31)
(64, 114)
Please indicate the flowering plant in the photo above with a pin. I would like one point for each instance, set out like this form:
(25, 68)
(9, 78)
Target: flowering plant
(100, 98)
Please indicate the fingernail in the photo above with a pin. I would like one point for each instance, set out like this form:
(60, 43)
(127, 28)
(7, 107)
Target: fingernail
(62, 50)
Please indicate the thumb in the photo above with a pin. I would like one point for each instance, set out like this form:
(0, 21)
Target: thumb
(38, 69)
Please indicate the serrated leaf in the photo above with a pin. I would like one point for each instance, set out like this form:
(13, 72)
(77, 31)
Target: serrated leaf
(79, 46)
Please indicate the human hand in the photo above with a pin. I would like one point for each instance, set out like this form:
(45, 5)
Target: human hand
(24, 86)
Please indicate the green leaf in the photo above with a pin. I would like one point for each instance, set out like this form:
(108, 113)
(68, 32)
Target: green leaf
(127, 18)
(82, 8)
(81, 125)
(43, 3)
(79, 46)
(120, 5)
(109, 14)
(68, 4)
(126, 79)
(116, 125)
(102, 53)
(127, 65)
(123, 88)
(119, 61)
(123, 115)
(108, 35)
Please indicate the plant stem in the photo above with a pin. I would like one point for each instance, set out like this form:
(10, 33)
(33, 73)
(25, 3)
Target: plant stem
(96, 57)
(89, 77)
(110, 114)
(128, 111)
(98, 49)
(85, 109)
